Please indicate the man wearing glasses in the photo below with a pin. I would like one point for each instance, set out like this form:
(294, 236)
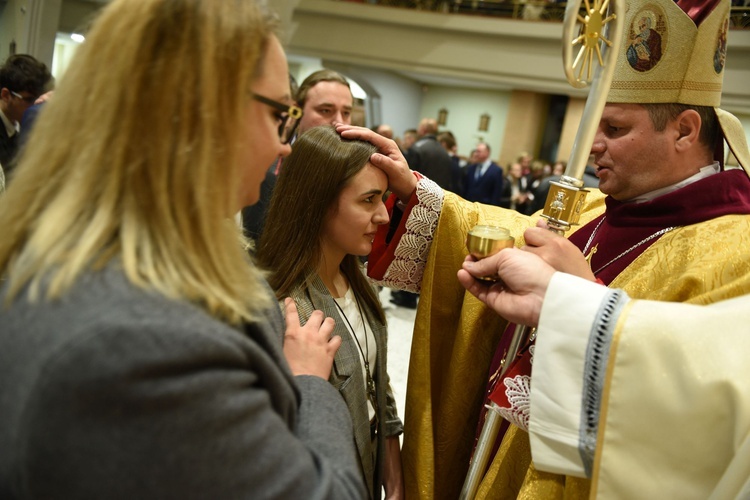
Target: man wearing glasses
(22, 80)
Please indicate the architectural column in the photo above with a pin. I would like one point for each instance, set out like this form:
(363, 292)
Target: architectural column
(29, 27)
(527, 115)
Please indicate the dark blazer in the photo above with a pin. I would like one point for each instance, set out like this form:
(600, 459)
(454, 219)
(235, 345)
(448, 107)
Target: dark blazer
(488, 189)
(254, 216)
(11, 146)
(427, 156)
(523, 187)
(113, 391)
(27, 122)
(457, 174)
(311, 294)
(8, 150)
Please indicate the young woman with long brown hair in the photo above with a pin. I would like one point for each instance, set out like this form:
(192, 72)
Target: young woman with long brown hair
(325, 210)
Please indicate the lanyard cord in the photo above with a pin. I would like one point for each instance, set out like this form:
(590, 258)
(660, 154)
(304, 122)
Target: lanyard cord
(365, 354)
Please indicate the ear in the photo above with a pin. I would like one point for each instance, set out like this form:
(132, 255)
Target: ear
(688, 127)
(5, 94)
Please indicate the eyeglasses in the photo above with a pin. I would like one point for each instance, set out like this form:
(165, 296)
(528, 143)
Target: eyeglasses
(290, 116)
(27, 99)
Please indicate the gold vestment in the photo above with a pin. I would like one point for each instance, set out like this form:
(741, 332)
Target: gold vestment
(455, 338)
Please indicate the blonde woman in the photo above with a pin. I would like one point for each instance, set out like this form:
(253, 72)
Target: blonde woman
(325, 211)
(140, 353)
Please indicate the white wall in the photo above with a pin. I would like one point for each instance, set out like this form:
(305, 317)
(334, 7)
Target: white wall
(8, 27)
(32, 25)
(300, 67)
(400, 98)
(65, 49)
(465, 106)
(745, 119)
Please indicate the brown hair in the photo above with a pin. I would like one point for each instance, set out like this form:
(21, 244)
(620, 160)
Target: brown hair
(21, 72)
(311, 179)
(662, 113)
(448, 139)
(323, 75)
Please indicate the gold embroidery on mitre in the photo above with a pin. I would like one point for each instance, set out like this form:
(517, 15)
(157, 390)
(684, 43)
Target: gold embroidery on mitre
(666, 58)
(647, 38)
(708, 87)
(720, 55)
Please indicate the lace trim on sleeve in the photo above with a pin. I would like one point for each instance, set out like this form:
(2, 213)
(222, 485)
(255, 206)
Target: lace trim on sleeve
(594, 373)
(518, 393)
(410, 256)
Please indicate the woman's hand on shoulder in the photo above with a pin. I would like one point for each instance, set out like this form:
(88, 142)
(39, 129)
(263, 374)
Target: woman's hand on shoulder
(389, 159)
(309, 349)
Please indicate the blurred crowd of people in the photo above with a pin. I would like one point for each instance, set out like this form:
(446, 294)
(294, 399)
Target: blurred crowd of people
(521, 185)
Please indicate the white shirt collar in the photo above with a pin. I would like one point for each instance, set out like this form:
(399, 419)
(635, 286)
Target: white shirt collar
(704, 172)
(10, 127)
(484, 166)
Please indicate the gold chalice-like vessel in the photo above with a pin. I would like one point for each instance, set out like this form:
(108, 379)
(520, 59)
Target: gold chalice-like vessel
(483, 241)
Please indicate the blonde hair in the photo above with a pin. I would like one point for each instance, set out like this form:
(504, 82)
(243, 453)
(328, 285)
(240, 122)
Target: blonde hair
(135, 158)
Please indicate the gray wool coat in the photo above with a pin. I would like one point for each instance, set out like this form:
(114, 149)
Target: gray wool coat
(116, 392)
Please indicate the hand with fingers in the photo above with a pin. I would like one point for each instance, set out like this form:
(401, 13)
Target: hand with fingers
(401, 180)
(309, 349)
(557, 251)
(519, 296)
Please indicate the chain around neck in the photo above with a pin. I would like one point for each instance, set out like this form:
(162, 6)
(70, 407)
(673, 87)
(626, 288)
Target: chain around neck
(644, 240)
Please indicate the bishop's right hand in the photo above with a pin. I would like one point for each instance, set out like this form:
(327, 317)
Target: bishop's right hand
(389, 159)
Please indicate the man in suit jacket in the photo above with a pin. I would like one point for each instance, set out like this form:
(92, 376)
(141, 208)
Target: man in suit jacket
(484, 179)
(430, 158)
(427, 156)
(448, 141)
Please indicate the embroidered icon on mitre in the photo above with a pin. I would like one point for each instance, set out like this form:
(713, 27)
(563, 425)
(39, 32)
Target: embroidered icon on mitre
(647, 38)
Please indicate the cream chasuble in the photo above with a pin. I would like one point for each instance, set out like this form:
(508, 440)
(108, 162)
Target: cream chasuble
(675, 410)
(701, 263)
